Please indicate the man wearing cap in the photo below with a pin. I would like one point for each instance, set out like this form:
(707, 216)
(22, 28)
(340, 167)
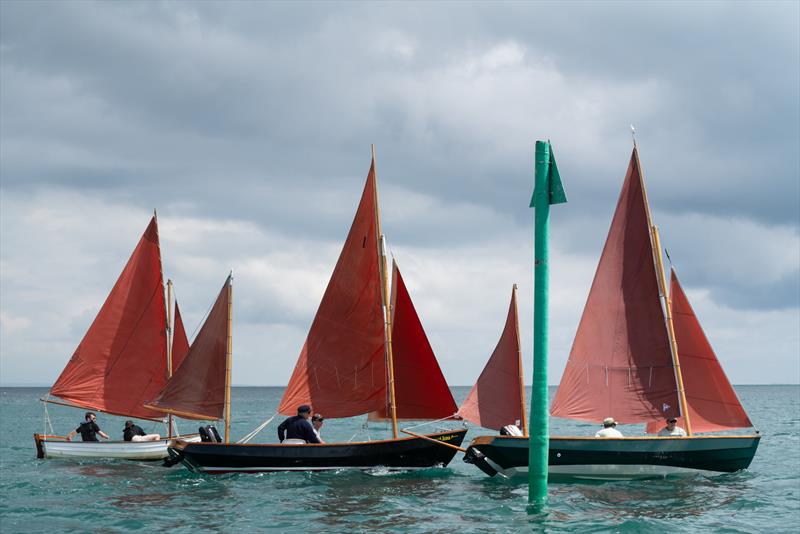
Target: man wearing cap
(671, 429)
(609, 429)
(298, 427)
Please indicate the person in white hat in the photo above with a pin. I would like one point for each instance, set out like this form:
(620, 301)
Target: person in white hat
(609, 429)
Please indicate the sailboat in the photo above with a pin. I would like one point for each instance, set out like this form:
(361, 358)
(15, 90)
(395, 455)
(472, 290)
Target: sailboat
(639, 356)
(498, 397)
(365, 353)
(201, 388)
(125, 357)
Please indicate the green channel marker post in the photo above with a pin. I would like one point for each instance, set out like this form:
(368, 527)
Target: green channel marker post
(547, 190)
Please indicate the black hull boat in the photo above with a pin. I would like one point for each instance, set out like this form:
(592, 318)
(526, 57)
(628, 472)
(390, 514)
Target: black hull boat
(395, 454)
(617, 458)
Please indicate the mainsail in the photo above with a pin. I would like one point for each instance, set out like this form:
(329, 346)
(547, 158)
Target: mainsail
(711, 401)
(421, 391)
(497, 398)
(122, 360)
(341, 371)
(180, 343)
(621, 364)
(197, 388)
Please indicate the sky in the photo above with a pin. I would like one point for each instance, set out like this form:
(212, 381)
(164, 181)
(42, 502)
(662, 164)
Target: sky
(248, 127)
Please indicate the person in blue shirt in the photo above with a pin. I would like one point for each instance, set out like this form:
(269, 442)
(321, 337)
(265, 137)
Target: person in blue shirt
(298, 426)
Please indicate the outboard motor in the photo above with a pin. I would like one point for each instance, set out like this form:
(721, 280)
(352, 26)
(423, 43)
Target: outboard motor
(209, 434)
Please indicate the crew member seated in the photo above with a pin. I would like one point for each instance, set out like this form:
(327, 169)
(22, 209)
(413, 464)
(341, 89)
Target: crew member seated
(88, 429)
(609, 429)
(134, 432)
(297, 428)
(671, 429)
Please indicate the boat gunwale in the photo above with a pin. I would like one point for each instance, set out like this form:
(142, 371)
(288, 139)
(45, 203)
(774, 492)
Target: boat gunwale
(180, 444)
(487, 440)
(63, 439)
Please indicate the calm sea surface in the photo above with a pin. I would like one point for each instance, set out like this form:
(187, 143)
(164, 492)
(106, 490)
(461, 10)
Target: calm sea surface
(106, 496)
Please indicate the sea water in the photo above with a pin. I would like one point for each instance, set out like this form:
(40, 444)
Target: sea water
(120, 496)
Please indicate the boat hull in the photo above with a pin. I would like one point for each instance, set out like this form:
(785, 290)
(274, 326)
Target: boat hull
(617, 458)
(48, 446)
(394, 454)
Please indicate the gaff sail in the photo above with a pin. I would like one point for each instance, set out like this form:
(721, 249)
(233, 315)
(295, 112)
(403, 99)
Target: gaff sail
(421, 391)
(122, 360)
(711, 401)
(197, 388)
(497, 398)
(341, 370)
(621, 364)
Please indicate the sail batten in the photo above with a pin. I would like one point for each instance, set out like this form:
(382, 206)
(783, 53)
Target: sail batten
(621, 363)
(421, 391)
(122, 359)
(711, 400)
(497, 399)
(197, 388)
(341, 370)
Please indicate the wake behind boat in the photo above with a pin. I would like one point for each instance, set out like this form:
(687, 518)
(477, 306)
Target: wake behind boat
(366, 353)
(641, 356)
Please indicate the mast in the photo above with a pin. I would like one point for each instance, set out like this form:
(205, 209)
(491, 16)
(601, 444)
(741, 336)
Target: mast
(519, 354)
(655, 243)
(384, 299)
(169, 342)
(228, 360)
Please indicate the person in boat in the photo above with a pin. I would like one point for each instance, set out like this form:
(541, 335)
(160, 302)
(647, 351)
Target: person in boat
(88, 429)
(671, 429)
(298, 427)
(609, 429)
(133, 432)
(316, 422)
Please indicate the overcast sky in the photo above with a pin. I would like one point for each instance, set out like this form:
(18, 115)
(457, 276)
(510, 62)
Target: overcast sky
(248, 126)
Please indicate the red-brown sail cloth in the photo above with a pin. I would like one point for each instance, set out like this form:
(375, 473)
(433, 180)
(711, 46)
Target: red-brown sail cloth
(496, 399)
(197, 388)
(122, 360)
(341, 370)
(712, 402)
(180, 343)
(620, 364)
(421, 391)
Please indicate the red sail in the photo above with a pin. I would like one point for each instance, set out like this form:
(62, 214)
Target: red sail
(420, 389)
(341, 371)
(122, 360)
(711, 401)
(180, 343)
(197, 388)
(497, 399)
(620, 364)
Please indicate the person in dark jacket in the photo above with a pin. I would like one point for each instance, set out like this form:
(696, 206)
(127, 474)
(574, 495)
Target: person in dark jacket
(88, 429)
(298, 426)
(134, 432)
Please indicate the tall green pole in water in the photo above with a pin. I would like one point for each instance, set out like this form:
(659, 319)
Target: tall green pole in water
(547, 190)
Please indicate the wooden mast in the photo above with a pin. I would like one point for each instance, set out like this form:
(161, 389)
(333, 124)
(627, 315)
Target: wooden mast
(387, 316)
(228, 360)
(170, 334)
(655, 243)
(519, 355)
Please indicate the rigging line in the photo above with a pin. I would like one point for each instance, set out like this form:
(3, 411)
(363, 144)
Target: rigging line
(432, 422)
(202, 319)
(258, 429)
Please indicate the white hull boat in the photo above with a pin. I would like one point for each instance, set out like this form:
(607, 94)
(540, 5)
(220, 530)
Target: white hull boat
(48, 446)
